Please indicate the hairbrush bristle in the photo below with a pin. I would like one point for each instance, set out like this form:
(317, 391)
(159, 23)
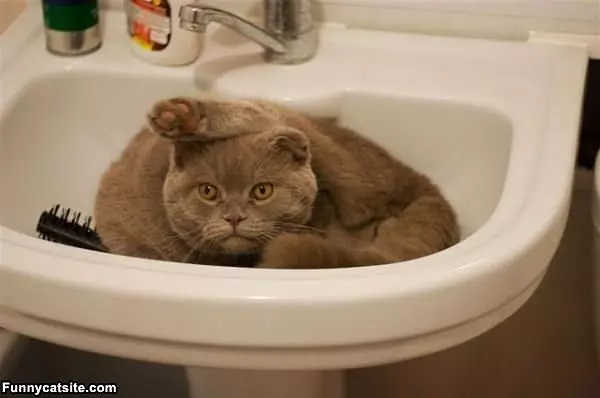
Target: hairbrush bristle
(63, 225)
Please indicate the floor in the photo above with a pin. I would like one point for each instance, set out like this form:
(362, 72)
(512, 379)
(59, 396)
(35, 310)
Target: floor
(42, 362)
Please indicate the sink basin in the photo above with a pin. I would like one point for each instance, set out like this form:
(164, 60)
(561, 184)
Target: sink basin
(464, 148)
(495, 124)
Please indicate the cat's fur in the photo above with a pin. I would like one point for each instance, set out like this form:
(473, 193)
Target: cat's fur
(372, 208)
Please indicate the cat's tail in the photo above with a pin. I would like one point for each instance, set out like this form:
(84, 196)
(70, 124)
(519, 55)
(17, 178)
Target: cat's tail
(314, 252)
(426, 225)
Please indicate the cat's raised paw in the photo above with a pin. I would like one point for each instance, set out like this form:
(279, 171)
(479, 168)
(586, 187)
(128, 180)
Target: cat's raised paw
(178, 119)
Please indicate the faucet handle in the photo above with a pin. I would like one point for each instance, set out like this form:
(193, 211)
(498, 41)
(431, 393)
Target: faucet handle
(289, 36)
(292, 22)
(289, 18)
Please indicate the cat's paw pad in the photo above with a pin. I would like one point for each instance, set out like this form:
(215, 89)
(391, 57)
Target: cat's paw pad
(177, 118)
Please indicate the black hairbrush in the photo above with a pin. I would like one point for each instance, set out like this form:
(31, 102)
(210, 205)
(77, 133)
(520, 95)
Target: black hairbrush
(69, 228)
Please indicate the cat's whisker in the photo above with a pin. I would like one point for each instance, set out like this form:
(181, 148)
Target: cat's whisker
(188, 256)
(292, 227)
(187, 234)
(211, 236)
(202, 243)
(172, 239)
(264, 238)
(191, 235)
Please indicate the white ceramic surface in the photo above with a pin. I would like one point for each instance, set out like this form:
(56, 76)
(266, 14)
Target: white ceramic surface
(494, 123)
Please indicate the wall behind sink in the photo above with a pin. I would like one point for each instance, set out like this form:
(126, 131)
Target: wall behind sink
(9, 10)
(503, 19)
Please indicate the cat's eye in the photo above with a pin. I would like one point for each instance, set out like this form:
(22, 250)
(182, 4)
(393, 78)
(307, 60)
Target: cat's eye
(262, 191)
(208, 192)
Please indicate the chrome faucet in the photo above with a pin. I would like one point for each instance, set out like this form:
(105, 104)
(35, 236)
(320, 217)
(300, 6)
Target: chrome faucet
(289, 36)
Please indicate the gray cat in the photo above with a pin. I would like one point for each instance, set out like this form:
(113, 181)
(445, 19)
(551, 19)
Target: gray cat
(255, 183)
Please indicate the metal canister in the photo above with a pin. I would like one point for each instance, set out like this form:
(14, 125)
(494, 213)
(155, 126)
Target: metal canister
(72, 26)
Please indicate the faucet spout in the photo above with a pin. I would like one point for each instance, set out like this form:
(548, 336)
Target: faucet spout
(196, 18)
(289, 35)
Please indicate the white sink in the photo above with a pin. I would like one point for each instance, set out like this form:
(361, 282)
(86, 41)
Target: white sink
(495, 124)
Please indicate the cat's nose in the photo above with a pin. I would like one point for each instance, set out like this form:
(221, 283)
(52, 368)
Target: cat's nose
(234, 219)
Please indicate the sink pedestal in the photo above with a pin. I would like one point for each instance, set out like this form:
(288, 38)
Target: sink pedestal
(225, 383)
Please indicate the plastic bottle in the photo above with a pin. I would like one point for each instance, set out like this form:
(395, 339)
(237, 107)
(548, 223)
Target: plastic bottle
(71, 26)
(155, 35)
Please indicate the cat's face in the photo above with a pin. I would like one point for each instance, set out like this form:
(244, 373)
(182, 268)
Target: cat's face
(233, 196)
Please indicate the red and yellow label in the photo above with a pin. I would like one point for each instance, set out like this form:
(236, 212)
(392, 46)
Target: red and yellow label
(149, 23)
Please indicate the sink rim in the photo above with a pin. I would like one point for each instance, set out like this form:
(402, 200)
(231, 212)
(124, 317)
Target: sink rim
(298, 285)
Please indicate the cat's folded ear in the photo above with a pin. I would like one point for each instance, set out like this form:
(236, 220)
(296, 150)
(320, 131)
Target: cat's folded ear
(291, 141)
